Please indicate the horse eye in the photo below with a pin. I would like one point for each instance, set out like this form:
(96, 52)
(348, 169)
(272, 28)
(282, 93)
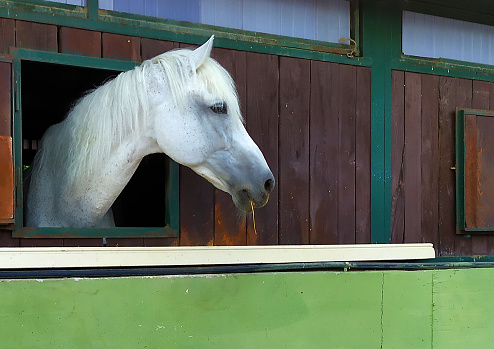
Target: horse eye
(219, 108)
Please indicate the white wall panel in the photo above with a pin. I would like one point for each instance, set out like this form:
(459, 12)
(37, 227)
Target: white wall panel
(437, 37)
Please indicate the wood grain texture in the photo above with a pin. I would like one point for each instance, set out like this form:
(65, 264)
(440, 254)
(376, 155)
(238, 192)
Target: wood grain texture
(80, 42)
(150, 48)
(463, 243)
(294, 150)
(5, 99)
(324, 138)
(447, 223)
(430, 159)
(262, 117)
(7, 35)
(346, 155)
(397, 156)
(413, 165)
(36, 36)
(116, 46)
(363, 157)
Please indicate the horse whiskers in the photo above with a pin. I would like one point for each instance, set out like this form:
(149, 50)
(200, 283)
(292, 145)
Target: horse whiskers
(253, 217)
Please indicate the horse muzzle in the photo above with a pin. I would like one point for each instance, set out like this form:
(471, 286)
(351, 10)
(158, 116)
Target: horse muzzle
(255, 196)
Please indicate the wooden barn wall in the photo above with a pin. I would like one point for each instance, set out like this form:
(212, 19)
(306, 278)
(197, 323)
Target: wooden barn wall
(423, 160)
(311, 119)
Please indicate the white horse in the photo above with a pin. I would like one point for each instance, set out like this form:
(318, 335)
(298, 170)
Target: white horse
(181, 103)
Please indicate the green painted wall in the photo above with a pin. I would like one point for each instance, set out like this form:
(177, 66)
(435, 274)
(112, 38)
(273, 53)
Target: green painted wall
(365, 309)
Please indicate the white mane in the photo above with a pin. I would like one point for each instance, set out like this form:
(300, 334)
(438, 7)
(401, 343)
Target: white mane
(103, 118)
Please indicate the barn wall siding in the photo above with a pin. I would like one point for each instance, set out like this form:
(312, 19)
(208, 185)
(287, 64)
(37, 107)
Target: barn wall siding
(423, 160)
(310, 118)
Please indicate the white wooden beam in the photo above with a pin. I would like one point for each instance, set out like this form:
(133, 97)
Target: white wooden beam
(88, 257)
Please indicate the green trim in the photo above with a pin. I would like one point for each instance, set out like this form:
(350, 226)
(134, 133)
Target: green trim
(163, 29)
(460, 169)
(172, 180)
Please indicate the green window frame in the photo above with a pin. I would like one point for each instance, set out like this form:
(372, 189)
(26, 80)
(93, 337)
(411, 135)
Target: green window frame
(473, 166)
(171, 213)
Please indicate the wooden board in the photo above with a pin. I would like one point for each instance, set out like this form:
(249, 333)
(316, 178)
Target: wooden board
(412, 157)
(363, 157)
(397, 156)
(116, 46)
(429, 159)
(294, 150)
(7, 35)
(262, 117)
(324, 138)
(85, 257)
(80, 42)
(36, 36)
(6, 181)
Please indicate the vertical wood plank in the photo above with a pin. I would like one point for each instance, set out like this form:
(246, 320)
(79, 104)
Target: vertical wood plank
(36, 36)
(463, 243)
(481, 98)
(5, 99)
(430, 159)
(324, 137)
(80, 42)
(6, 239)
(346, 156)
(447, 223)
(230, 222)
(196, 209)
(151, 48)
(116, 46)
(363, 157)
(262, 118)
(7, 35)
(412, 168)
(397, 156)
(294, 150)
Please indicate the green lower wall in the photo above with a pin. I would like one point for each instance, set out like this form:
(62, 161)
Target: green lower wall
(365, 309)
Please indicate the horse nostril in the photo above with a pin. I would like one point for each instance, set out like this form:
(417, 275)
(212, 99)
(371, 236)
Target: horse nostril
(269, 185)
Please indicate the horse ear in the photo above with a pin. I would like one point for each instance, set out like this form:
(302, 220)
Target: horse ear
(200, 53)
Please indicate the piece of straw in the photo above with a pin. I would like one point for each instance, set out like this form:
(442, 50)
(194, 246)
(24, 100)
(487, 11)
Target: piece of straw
(253, 217)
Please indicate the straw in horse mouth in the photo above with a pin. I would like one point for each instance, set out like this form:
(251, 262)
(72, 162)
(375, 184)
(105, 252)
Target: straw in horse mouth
(253, 217)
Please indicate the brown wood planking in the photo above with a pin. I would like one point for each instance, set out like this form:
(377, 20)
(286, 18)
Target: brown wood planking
(324, 153)
(397, 156)
(363, 157)
(230, 222)
(447, 223)
(6, 239)
(463, 242)
(7, 35)
(294, 150)
(116, 46)
(196, 209)
(80, 42)
(412, 168)
(5, 99)
(151, 48)
(262, 115)
(36, 36)
(430, 159)
(6, 180)
(346, 154)
(481, 99)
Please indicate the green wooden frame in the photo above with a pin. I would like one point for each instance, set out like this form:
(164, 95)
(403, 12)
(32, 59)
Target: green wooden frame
(460, 169)
(172, 181)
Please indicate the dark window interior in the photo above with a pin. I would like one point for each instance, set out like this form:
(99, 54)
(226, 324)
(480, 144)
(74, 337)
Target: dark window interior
(48, 92)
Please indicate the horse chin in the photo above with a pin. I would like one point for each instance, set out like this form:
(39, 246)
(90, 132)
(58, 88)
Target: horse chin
(245, 201)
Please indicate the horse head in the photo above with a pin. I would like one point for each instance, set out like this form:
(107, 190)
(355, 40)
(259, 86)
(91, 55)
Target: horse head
(195, 113)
